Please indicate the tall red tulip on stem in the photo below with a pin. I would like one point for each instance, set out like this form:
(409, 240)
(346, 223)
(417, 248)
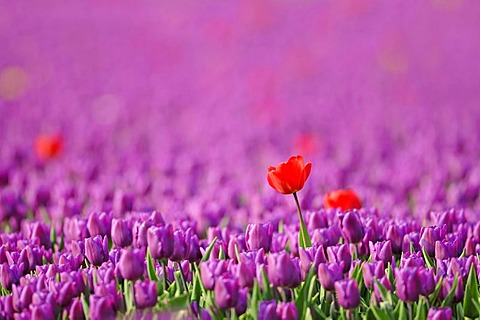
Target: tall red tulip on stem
(289, 178)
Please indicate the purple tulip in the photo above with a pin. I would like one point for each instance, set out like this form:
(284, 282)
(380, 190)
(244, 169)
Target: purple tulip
(180, 248)
(348, 294)
(412, 238)
(245, 272)
(76, 310)
(429, 236)
(352, 227)
(226, 292)
(381, 251)
(122, 235)
(329, 273)
(447, 285)
(340, 253)
(311, 256)
(372, 271)
(242, 302)
(408, 284)
(259, 236)
(412, 260)
(96, 250)
(238, 242)
(428, 281)
(210, 271)
(132, 264)
(160, 241)
(385, 283)
(439, 314)
(145, 294)
(267, 310)
(287, 311)
(22, 297)
(283, 271)
(395, 235)
(326, 236)
(193, 246)
(99, 224)
(103, 307)
(9, 275)
(446, 249)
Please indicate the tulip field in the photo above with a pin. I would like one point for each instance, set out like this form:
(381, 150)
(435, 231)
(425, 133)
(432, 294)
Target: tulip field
(244, 160)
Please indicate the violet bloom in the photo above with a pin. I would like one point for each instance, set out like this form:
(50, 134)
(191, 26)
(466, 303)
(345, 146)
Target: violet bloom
(102, 307)
(329, 273)
(267, 310)
(122, 235)
(9, 275)
(160, 241)
(411, 239)
(395, 235)
(446, 249)
(236, 242)
(132, 264)
(348, 294)
(409, 260)
(226, 292)
(408, 284)
(75, 311)
(99, 223)
(210, 270)
(447, 285)
(385, 282)
(381, 251)
(326, 236)
(242, 302)
(283, 271)
(43, 311)
(22, 297)
(311, 256)
(193, 246)
(372, 271)
(352, 227)
(340, 253)
(41, 232)
(145, 294)
(179, 252)
(429, 236)
(287, 311)
(96, 250)
(439, 314)
(428, 281)
(259, 236)
(245, 272)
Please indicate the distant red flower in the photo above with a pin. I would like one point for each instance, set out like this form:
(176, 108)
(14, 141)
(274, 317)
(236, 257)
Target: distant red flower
(289, 177)
(48, 146)
(343, 199)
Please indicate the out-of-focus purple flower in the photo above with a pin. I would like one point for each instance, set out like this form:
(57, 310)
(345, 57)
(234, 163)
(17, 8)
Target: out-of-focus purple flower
(122, 202)
(75, 228)
(242, 302)
(412, 260)
(193, 246)
(96, 250)
(210, 270)
(6, 304)
(9, 275)
(145, 294)
(316, 220)
(340, 253)
(311, 256)
(283, 271)
(64, 293)
(76, 310)
(22, 297)
(439, 314)
(102, 307)
(446, 249)
(447, 285)
(139, 231)
(267, 310)
(287, 311)
(429, 236)
(385, 283)
(348, 294)
(226, 292)
(329, 273)
(428, 281)
(245, 272)
(99, 223)
(179, 252)
(40, 231)
(470, 246)
(411, 239)
(132, 264)
(237, 241)
(352, 227)
(259, 236)
(44, 311)
(326, 236)
(381, 251)
(160, 241)
(395, 234)
(372, 271)
(408, 284)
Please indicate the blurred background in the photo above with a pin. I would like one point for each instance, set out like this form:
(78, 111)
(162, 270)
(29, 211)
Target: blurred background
(382, 96)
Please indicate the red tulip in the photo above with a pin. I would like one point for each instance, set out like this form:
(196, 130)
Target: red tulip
(343, 199)
(289, 177)
(48, 146)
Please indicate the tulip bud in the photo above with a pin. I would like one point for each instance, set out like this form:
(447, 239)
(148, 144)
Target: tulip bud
(287, 311)
(9, 275)
(102, 307)
(372, 271)
(429, 236)
(226, 292)
(340, 253)
(259, 236)
(311, 256)
(193, 246)
(408, 284)
(352, 227)
(283, 271)
(22, 297)
(145, 294)
(76, 310)
(210, 270)
(428, 282)
(132, 264)
(348, 294)
(267, 310)
(245, 274)
(381, 251)
(96, 250)
(242, 303)
(329, 273)
(99, 223)
(446, 249)
(395, 234)
(439, 314)
(160, 241)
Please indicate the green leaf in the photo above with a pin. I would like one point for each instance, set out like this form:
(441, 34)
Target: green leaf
(267, 291)
(178, 302)
(209, 250)
(460, 314)
(380, 313)
(428, 260)
(435, 293)
(421, 312)
(471, 294)
(386, 296)
(448, 300)
(254, 299)
(402, 311)
(53, 235)
(152, 274)
(305, 292)
(86, 308)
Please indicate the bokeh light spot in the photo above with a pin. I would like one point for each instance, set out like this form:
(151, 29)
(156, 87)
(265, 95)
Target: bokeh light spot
(13, 83)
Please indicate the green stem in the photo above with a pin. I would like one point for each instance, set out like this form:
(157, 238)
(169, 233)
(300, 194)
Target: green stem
(304, 238)
(164, 269)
